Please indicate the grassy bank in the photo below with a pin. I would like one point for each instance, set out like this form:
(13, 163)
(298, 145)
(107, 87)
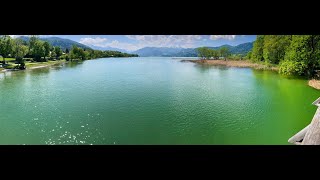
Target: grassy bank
(233, 63)
(31, 65)
(34, 65)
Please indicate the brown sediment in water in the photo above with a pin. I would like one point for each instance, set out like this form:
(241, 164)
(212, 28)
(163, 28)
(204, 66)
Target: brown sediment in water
(232, 63)
(314, 83)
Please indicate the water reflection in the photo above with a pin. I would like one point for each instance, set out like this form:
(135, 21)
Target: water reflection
(44, 70)
(73, 64)
(205, 68)
(4, 75)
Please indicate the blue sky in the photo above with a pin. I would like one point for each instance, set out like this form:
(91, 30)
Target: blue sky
(135, 42)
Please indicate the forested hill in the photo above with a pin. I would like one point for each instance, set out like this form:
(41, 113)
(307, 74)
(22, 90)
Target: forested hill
(242, 49)
(60, 42)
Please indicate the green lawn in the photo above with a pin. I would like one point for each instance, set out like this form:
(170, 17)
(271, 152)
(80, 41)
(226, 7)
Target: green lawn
(8, 59)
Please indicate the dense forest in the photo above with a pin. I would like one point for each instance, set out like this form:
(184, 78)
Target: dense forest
(36, 50)
(295, 54)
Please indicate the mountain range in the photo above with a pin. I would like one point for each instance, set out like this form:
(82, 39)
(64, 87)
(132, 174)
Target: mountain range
(189, 52)
(146, 51)
(61, 42)
(108, 49)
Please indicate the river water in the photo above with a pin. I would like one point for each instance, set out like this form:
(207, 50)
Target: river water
(149, 100)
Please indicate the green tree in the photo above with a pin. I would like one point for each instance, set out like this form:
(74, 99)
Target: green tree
(224, 52)
(304, 52)
(86, 54)
(257, 50)
(204, 53)
(47, 48)
(5, 47)
(19, 51)
(33, 39)
(38, 50)
(249, 55)
(58, 52)
(292, 68)
(74, 53)
(81, 54)
(215, 53)
(275, 47)
(53, 55)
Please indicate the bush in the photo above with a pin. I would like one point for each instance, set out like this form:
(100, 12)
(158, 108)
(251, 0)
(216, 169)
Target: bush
(292, 68)
(236, 57)
(22, 66)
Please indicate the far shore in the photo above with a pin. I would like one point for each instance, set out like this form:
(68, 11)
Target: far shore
(229, 63)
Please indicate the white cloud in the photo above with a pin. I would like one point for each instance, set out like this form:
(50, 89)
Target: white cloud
(228, 37)
(103, 42)
(122, 45)
(93, 41)
(16, 36)
(184, 41)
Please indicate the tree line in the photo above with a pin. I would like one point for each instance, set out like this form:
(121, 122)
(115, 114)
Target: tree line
(295, 54)
(207, 53)
(41, 51)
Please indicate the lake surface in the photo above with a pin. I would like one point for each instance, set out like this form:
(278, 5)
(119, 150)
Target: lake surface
(151, 101)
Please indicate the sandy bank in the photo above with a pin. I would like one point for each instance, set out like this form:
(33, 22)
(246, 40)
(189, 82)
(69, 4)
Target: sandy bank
(240, 63)
(314, 83)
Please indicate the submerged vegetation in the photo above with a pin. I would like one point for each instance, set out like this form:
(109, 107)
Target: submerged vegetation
(19, 54)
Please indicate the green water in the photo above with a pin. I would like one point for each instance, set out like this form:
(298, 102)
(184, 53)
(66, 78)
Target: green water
(151, 101)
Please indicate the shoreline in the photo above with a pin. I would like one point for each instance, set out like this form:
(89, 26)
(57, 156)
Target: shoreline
(44, 64)
(36, 65)
(233, 63)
